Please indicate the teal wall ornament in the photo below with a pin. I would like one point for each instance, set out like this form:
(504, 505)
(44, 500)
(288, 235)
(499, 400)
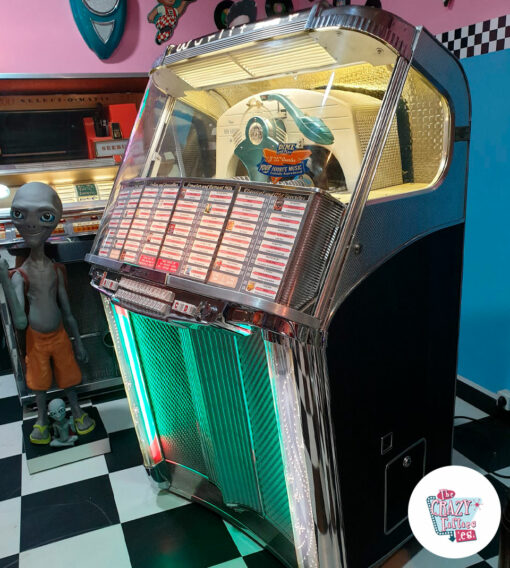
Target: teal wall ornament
(101, 23)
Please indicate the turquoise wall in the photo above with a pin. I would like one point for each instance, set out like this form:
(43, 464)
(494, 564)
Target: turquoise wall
(484, 348)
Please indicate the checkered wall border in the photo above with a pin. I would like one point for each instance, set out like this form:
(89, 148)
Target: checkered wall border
(476, 39)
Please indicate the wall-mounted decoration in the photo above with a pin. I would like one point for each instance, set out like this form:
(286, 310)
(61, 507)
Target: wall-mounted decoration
(165, 17)
(279, 8)
(371, 3)
(242, 12)
(487, 36)
(101, 23)
(221, 13)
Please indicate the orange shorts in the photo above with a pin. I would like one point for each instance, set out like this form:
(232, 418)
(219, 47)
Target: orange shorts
(41, 349)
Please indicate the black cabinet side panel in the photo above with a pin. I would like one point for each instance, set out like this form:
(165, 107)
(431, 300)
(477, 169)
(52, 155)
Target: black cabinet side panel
(392, 357)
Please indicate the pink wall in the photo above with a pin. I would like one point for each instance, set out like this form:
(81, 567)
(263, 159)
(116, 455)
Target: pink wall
(42, 38)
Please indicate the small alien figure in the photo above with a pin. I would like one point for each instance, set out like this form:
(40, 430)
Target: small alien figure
(64, 431)
(37, 297)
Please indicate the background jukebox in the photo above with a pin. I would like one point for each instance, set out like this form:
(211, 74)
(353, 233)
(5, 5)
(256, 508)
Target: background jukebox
(280, 264)
(43, 138)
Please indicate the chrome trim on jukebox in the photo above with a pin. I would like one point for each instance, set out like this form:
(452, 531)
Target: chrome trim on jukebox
(234, 36)
(446, 205)
(299, 378)
(377, 23)
(445, 73)
(17, 169)
(196, 488)
(352, 217)
(373, 21)
(205, 290)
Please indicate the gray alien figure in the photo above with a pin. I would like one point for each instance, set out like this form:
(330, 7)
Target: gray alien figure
(37, 298)
(64, 430)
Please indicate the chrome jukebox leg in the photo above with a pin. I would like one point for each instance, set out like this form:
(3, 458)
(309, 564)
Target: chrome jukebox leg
(301, 392)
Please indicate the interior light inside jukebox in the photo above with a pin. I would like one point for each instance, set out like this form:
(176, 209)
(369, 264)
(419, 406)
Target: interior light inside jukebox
(260, 60)
(130, 350)
(4, 191)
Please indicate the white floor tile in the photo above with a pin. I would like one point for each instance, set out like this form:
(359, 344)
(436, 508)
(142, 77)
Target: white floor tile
(11, 439)
(115, 415)
(493, 562)
(10, 514)
(8, 386)
(63, 475)
(425, 559)
(104, 548)
(244, 543)
(236, 563)
(463, 408)
(460, 459)
(136, 496)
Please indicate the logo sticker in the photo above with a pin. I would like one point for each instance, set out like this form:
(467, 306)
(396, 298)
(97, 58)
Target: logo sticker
(288, 161)
(454, 512)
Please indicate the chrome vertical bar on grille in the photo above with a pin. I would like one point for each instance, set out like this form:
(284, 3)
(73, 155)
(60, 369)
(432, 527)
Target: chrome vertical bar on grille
(360, 194)
(300, 385)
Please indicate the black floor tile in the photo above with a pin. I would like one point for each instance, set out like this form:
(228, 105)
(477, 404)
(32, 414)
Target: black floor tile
(480, 565)
(502, 490)
(187, 537)
(484, 442)
(67, 511)
(10, 478)
(261, 559)
(10, 410)
(10, 561)
(492, 549)
(125, 450)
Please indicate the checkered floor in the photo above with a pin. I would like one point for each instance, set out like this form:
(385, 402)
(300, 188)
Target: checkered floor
(104, 512)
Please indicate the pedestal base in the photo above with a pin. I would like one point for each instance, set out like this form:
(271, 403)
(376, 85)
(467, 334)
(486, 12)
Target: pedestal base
(42, 457)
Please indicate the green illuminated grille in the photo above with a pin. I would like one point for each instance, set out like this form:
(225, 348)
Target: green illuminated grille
(264, 427)
(214, 412)
(198, 402)
(165, 373)
(215, 356)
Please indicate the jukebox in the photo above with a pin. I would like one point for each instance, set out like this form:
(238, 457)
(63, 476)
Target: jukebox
(280, 265)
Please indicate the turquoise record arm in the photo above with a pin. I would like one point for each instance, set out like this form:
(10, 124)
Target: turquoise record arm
(312, 127)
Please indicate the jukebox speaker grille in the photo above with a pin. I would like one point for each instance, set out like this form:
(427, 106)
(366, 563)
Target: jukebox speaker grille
(174, 412)
(264, 426)
(228, 422)
(312, 253)
(215, 412)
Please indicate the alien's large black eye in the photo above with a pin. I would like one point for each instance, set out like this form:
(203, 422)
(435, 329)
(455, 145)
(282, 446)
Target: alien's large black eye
(17, 214)
(47, 217)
